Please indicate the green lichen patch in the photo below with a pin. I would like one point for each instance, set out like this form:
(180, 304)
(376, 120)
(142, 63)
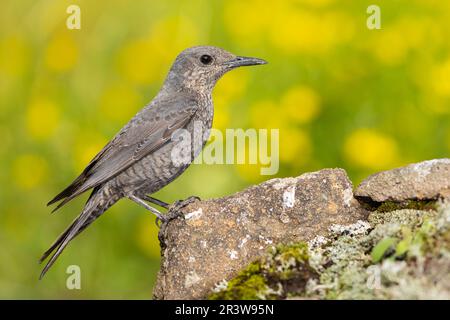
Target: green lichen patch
(283, 271)
(395, 254)
(405, 255)
(250, 284)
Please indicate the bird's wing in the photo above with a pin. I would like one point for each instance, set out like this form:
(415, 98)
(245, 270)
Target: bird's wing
(148, 131)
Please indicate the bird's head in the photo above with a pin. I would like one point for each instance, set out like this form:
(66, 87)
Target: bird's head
(199, 68)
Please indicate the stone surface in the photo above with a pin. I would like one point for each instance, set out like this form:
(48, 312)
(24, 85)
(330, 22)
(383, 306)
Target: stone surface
(217, 238)
(400, 254)
(418, 181)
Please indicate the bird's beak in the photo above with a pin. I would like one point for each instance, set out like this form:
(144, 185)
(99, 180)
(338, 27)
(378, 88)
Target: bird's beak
(244, 61)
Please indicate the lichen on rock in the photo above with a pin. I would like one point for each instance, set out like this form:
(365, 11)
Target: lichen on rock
(352, 262)
(283, 271)
(414, 265)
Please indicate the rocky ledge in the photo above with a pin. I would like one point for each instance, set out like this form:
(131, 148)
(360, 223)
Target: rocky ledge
(314, 237)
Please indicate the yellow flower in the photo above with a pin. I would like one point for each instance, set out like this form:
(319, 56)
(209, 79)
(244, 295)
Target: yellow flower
(310, 32)
(301, 104)
(441, 78)
(28, 171)
(392, 45)
(62, 52)
(288, 25)
(370, 149)
(295, 146)
(42, 118)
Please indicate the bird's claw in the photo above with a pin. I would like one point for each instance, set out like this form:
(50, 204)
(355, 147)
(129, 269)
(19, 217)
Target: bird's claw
(174, 210)
(164, 219)
(180, 204)
(162, 223)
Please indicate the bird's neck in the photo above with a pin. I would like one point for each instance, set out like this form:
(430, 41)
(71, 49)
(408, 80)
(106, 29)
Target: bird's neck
(199, 92)
(179, 82)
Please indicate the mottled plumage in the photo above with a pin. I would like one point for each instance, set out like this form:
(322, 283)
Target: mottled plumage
(137, 161)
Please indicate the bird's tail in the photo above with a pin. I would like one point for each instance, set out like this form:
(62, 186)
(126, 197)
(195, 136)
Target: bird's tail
(99, 201)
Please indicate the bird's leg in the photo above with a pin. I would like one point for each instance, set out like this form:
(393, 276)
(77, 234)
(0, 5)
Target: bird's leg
(160, 203)
(142, 203)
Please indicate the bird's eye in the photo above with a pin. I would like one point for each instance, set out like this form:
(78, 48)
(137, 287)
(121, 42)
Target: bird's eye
(206, 59)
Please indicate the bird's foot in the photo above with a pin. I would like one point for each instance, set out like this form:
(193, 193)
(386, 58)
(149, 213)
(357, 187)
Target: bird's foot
(180, 204)
(174, 211)
(162, 223)
(163, 220)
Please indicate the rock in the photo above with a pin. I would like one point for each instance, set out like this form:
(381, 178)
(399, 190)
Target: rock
(217, 238)
(428, 180)
(400, 254)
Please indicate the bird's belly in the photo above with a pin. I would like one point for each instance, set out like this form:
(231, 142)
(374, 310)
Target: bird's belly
(151, 173)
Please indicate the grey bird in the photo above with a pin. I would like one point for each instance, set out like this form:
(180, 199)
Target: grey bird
(137, 161)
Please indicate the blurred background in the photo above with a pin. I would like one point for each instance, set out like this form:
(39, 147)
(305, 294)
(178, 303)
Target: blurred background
(342, 96)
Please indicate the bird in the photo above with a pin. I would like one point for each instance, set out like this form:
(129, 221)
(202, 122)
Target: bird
(137, 162)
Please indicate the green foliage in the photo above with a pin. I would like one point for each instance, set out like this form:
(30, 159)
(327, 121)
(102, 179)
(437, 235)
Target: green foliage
(248, 285)
(381, 249)
(404, 244)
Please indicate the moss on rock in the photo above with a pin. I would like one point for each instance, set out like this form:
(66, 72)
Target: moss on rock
(283, 271)
(398, 254)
